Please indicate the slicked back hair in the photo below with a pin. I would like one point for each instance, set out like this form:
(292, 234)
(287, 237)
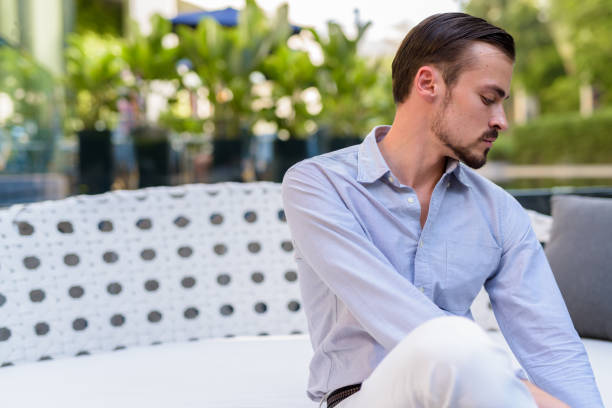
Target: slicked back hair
(442, 40)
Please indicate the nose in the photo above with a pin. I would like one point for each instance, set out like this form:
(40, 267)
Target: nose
(498, 120)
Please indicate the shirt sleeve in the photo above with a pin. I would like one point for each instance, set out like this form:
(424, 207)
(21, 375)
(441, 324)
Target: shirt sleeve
(334, 244)
(533, 317)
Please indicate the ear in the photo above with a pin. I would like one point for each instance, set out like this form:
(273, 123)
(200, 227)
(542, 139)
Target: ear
(427, 82)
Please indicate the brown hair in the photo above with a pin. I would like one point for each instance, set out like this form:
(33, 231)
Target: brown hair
(441, 39)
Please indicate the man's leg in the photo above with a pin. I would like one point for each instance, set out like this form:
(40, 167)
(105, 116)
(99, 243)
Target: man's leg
(448, 362)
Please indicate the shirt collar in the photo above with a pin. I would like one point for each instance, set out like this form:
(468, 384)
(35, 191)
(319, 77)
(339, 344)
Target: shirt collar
(371, 165)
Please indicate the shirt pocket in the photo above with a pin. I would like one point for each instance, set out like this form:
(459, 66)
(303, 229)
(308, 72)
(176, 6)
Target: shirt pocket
(468, 265)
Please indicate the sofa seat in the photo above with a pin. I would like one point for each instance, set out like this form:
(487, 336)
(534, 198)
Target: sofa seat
(242, 372)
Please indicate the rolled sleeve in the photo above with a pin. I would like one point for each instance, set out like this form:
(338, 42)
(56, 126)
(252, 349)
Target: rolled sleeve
(533, 317)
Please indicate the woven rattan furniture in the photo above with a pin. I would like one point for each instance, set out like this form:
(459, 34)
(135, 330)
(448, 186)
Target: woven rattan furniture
(144, 287)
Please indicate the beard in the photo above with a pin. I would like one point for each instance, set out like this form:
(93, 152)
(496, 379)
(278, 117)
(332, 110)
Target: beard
(467, 154)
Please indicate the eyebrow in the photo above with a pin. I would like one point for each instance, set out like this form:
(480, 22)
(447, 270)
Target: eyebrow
(498, 90)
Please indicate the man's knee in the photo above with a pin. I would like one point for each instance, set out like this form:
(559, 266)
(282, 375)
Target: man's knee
(450, 340)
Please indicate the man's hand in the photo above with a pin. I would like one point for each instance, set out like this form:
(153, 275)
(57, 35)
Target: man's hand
(544, 399)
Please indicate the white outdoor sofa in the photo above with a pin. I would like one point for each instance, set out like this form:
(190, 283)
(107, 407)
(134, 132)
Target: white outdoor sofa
(164, 297)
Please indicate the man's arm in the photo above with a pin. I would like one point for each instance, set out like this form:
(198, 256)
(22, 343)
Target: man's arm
(544, 399)
(533, 318)
(332, 241)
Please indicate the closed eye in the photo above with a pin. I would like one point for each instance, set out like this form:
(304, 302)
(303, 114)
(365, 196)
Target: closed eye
(486, 101)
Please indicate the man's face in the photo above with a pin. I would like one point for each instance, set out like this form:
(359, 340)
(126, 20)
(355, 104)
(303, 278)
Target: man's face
(472, 112)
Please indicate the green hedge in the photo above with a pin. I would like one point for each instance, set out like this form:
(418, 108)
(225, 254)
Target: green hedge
(556, 139)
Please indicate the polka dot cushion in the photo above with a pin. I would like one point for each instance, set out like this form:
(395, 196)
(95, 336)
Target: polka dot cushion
(99, 273)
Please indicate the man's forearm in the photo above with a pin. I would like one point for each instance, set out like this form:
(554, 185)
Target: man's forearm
(544, 399)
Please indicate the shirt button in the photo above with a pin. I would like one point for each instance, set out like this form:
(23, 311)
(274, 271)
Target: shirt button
(390, 179)
(448, 184)
(421, 243)
(411, 200)
(422, 289)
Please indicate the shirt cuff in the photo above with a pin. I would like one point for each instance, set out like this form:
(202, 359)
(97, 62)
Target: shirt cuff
(521, 374)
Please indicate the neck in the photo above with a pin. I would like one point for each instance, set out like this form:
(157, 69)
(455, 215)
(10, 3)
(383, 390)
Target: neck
(412, 152)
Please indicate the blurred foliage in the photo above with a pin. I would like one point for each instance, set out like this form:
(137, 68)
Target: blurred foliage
(30, 86)
(538, 63)
(583, 30)
(563, 138)
(225, 58)
(561, 45)
(93, 67)
(290, 74)
(100, 16)
(147, 56)
(355, 91)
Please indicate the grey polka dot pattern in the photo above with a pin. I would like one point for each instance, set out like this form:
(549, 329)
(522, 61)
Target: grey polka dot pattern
(76, 292)
(227, 310)
(144, 223)
(250, 216)
(105, 226)
(79, 324)
(114, 288)
(110, 257)
(151, 266)
(154, 316)
(41, 328)
(223, 279)
(181, 221)
(216, 219)
(257, 277)
(117, 320)
(254, 247)
(37, 295)
(191, 313)
(31, 262)
(287, 246)
(261, 307)
(71, 259)
(151, 285)
(25, 228)
(188, 282)
(5, 333)
(291, 276)
(220, 249)
(294, 306)
(147, 254)
(65, 227)
(185, 252)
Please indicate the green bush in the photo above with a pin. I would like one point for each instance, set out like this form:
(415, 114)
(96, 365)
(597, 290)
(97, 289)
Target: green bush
(568, 138)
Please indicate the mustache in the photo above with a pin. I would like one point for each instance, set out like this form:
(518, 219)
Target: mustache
(489, 134)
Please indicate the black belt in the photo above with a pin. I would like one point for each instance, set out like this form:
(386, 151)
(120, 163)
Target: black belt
(338, 395)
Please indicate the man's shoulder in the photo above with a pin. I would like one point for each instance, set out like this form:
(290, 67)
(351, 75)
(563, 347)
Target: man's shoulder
(339, 163)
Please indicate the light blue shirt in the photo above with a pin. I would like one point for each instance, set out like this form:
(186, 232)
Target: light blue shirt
(369, 274)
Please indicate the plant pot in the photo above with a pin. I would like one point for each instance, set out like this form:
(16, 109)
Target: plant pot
(152, 151)
(227, 160)
(287, 153)
(95, 161)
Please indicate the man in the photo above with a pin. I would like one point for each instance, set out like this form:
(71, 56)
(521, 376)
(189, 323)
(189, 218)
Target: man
(395, 237)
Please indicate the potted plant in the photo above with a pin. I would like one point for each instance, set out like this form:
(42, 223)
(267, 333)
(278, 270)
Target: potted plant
(225, 59)
(152, 63)
(348, 84)
(93, 68)
(295, 105)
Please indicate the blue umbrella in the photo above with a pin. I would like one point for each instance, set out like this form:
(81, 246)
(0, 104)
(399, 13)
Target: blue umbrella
(227, 17)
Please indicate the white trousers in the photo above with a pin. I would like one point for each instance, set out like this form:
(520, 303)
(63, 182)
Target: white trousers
(448, 362)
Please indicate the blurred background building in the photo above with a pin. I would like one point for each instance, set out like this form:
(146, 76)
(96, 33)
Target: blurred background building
(119, 94)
